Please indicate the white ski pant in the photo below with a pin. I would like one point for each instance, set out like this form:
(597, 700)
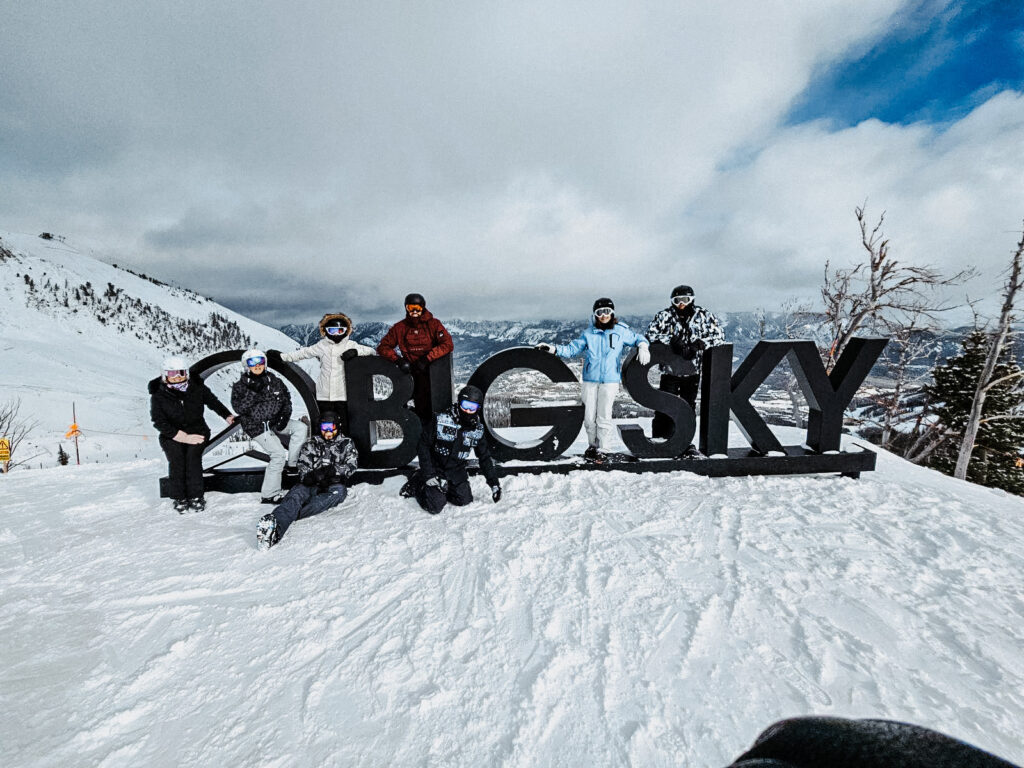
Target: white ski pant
(597, 413)
(272, 446)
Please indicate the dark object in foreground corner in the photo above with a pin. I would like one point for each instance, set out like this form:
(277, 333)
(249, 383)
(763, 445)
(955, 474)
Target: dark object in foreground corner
(739, 462)
(834, 742)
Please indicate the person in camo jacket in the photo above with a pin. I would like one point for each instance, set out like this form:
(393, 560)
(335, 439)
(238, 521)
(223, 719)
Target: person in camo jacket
(326, 462)
(688, 329)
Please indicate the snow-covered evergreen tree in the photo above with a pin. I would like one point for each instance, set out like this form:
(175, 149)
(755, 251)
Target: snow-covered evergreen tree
(1001, 435)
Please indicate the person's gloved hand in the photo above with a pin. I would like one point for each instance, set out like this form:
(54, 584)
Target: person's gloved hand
(496, 493)
(420, 365)
(643, 356)
(545, 347)
(348, 354)
(435, 482)
(678, 343)
(274, 356)
(329, 479)
(309, 479)
(403, 365)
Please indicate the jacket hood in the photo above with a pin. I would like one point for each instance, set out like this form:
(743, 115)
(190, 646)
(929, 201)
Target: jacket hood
(326, 319)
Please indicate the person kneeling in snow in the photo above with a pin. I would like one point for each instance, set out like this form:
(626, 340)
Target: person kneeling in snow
(443, 451)
(601, 344)
(176, 406)
(326, 462)
(264, 407)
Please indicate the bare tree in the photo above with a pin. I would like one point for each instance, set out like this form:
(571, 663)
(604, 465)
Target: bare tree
(15, 427)
(880, 294)
(1001, 333)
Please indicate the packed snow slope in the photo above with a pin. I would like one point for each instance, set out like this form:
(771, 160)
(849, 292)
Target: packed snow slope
(74, 329)
(593, 619)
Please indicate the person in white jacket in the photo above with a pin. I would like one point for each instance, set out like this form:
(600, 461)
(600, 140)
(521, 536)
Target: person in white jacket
(333, 350)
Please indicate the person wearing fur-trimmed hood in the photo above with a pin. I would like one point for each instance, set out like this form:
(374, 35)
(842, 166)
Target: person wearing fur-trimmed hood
(333, 350)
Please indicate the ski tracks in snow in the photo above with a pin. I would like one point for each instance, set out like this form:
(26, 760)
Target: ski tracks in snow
(592, 619)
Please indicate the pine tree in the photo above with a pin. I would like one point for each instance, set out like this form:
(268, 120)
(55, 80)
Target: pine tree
(1000, 439)
(62, 455)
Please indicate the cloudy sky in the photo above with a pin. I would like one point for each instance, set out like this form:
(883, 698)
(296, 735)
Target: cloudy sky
(517, 159)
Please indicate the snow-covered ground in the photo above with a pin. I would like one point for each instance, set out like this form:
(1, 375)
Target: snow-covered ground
(594, 619)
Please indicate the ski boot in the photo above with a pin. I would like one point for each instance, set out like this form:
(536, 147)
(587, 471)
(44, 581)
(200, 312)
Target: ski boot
(266, 532)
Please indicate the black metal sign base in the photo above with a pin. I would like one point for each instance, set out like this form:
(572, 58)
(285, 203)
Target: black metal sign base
(740, 462)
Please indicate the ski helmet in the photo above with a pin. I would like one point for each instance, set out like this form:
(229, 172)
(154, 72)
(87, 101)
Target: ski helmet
(174, 364)
(251, 356)
(416, 298)
(681, 290)
(470, 401)
(329, 417)
(604, 304)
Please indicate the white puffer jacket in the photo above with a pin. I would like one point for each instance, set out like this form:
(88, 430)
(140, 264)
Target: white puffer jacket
(330, 385)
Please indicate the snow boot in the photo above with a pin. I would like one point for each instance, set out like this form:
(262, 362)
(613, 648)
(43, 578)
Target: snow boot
(197, 504)
(181, 506)
(266, 532)
(691, 452)
(592, 454)
(277, 498)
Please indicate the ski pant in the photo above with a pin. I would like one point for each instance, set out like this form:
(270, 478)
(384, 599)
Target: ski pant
(340, 407)
(306, 501)
(433, 500)
(421, 395)
(597, 413)
(685, 387)
(184, 469)
(271, 444)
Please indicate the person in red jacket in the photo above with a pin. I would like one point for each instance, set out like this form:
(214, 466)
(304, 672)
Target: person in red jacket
(422, 339)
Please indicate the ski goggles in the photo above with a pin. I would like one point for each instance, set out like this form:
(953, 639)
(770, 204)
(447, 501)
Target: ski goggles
(469, 406)
(328, 426)
(414, 308)
(336, 330)
(179, 373)
(682, 300)
(252, 362)
(604, 312)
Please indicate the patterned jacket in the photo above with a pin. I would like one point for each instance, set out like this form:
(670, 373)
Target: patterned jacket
(337, 456)
(691, 326)
(446, 444)
(261, 402)
(418, 338)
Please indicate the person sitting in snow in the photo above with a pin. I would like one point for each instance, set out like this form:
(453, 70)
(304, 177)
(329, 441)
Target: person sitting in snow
(176, 406)
(602, 345)
(326, 462)
(334, 349)
(264, 408)
(422, 339)
(688, 329)
(444, 449)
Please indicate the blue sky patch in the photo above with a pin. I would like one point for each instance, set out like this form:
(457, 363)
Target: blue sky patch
(939, 61)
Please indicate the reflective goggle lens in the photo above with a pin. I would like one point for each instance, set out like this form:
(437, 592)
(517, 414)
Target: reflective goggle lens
(178, 374)
(469, 406)
(328, 426)
(335, 330)
(252, 362)
(413, 308)
(684, 300)
(602, 312)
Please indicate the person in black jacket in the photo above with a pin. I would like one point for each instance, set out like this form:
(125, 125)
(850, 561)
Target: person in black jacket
(176, 406)
(264, 408)
(444, 449)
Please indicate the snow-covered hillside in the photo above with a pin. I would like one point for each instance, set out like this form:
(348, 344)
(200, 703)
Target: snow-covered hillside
(594, 619)
(73, 328)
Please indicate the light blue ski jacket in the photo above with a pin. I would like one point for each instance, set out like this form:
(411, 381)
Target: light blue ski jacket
(602, 350)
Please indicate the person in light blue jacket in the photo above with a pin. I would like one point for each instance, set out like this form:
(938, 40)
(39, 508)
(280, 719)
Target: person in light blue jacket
(602, 345)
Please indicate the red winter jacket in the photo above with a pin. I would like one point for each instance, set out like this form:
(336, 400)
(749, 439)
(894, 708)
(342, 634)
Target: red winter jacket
(420, 337)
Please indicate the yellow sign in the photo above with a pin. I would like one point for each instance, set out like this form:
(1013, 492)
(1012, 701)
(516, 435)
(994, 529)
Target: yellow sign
(73, 431)
(5, 449)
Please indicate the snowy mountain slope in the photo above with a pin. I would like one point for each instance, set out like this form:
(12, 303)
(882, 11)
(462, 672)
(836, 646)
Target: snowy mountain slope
(75, 329)
(587, 620)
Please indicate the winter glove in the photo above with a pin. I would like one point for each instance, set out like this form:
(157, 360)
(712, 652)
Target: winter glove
(309, 479)
(348, 354)
(644, 355)
(545, 347)
(435, 482)
(421, 365)
(678, 343)
(403, 365)
(496, 493)
(274, 356)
